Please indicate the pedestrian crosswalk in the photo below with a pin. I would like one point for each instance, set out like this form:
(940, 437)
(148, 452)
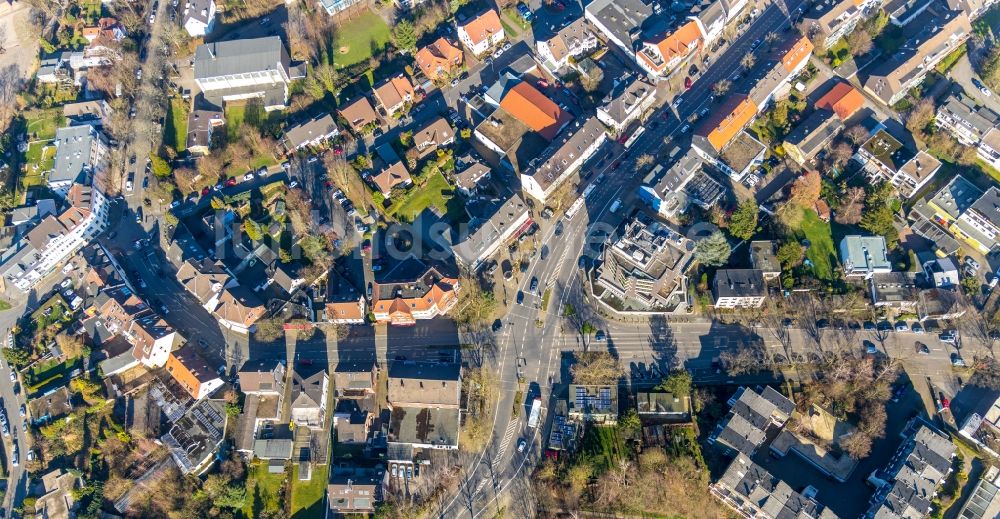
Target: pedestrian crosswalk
(507, 436)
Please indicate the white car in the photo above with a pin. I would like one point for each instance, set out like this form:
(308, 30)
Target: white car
(13, 459)
(66, 283)
(685, 128)
(986, 92)
(248, 176)
(30, 455)
(152, 19)
(128, 186)
(13, 377)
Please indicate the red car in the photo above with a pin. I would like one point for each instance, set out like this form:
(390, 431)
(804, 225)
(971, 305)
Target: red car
(622, 139)
(205, 190)
(559, 5)
(615, 165)
(687, 83)
(230, 182)
(543, 84)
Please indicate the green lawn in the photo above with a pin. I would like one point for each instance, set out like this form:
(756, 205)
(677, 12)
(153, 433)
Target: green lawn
(307, 496)
(603, 446)
(356, 38)
(175, 129)
(234, 115)
(821, 252)
(263, 490)
(949, 61)
(40, 157)
(434, 193)
(42, 123)
(838, 53)
(512, 22)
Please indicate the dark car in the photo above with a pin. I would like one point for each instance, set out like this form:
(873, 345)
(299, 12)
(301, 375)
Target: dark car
(497, 325)
(600, 335)
(869, 325)
(369, 290)
(559, 228)
(508, 269)
(545, 252)
(534, 285)
(520, 297)
(921, 348)
(822, 324)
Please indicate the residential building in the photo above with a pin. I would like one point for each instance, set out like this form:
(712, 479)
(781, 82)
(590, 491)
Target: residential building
(669, 191)
(627, 102)
(751, 413)
(739, 288)
(434, 134)
(812, 136)
(54, 239)
(972, 125)
(220, 293)
(469, 174)
(360, 115)
(621, 21)
(389, 171)
(661, 55)
(664, 405)
(933, 36)
(864, 256)
(895, 290)
(909, 482)
(354, 492)
(950, 212)
(199, 17)
(733, 8)
(309, 396)
(332, 7)
(193, 373)
(764, 257)
(439, 60)
(413, 291)
(942, 273)
(194, 438)
(977, 413)
(886, 159)
(481, 33)
(263, 377)
(233, 70)
(424, 400)
(980, 224)
(57, 502)
(344, 302)
(82, 152)
(644, 269)
(571, 41)
(754, 493)
(940, 304)
(723, 125)
(843, 100)
(531, 107)
(711, 19)
(394, 94)
(984, 502)
(562, 158)
(830, 20)
(903, 12)
(491, 225)
(973, 8)
(201, 126)
(593, 403)
(87, 112)
(310, 133)
(355, 379)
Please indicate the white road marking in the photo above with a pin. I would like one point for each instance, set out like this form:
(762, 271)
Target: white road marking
(507, 436)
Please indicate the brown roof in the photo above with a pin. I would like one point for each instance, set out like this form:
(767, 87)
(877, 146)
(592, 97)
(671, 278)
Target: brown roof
(680, 42)
(394, 92)
(433, 134)
(532, 108)
(239, 306)
(726, 123)
(484, 25)
(358, 113)
(347, 310)
(189, 369)
(439, 56)
(391, 177)
(417, 384)
(203, 279)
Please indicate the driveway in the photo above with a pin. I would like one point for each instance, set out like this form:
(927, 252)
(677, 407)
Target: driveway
(962, 74)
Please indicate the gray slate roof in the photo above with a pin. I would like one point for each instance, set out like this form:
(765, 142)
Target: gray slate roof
(239, 57)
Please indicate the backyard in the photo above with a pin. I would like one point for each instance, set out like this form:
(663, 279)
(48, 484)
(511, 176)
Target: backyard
(820, 251)
(356, 40)
(264, 490)
(604, 446)
(307, 496)
(51, 373)
(42, 123)
(175, 130)
(435, 192)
